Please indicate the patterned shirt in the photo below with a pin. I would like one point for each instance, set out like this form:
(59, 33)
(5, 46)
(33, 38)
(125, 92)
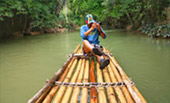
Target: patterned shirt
(93, 37)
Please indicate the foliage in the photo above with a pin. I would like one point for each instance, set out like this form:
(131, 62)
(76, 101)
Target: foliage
(80, 8)
(41, 12)
(67, 13)
(11, 7)
(157, 30)
(120, 13)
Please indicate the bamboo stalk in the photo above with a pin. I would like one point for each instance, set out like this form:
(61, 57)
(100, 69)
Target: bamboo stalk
(115, 77)
(110, 92)
(61, 90)
(131, 93)
(77, 48)
(76, 90)
(142, 99)
(51, 94)
(68, 91)
(117, 89)
(93, 91)
(84, 94)
(79, 51)
(101, 91)
(129, 87)
(136, 90)
(54, 89)
(40, 99)
(43, 92)
(114, 71)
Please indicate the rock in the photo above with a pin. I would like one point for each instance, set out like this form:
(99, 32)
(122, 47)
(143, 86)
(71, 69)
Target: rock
(61, 30)
(18, 34)
(55, 30)
(129, 28)
(35, 33)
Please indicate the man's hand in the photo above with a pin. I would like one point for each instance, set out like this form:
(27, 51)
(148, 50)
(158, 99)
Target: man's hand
(98, 27)
(100, 30)
(94, 25)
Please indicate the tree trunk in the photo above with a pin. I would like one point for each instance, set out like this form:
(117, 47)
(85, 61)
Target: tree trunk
(168, 14)
(130, 19)
(66, 11)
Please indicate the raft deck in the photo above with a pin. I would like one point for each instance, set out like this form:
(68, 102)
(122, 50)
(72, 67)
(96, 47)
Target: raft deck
(81, 80)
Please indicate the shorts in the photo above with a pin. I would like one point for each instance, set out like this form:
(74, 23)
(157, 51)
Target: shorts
(95, 46)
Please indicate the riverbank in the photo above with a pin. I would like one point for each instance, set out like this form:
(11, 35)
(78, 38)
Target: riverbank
(32, 33)
(19, 18)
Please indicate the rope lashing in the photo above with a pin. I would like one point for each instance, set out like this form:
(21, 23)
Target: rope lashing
(91, 84)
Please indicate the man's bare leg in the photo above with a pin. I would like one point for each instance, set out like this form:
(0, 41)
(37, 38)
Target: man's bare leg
(87, 47)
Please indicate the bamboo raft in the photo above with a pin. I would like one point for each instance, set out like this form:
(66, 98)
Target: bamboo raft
(81, 80)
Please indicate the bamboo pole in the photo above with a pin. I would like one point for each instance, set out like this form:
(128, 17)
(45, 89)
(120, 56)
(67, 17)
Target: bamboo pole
(101, 91)
(76, 90)
(40, 99)
(68, 91)
(142, 99)
(129, 87)
(51, 94)
(77, 48)
(117, 89)
(79, 51)
(93, 91)
(114, 71)
(136, 90)
(39, 96)
(110, 92)
(61, 90)
(54, 89)
(84, 94)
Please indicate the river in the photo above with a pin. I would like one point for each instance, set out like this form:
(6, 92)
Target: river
(26, 63)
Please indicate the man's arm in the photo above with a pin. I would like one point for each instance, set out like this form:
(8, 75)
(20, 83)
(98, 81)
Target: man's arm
(103, 35)
(94, 25)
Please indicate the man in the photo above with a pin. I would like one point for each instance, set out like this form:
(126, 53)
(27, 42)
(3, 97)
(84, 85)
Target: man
(90, 34)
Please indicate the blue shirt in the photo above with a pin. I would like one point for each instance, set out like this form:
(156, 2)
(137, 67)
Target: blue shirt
(93, 37)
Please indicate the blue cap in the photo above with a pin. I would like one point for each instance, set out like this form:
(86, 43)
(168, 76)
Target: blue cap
(89, 19)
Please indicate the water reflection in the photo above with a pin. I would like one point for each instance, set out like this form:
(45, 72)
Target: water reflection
(157, 41)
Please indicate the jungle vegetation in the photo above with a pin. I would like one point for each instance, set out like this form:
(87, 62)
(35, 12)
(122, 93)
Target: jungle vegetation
(18, 17)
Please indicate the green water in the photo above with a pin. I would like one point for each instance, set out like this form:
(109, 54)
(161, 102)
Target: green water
(26, 63)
